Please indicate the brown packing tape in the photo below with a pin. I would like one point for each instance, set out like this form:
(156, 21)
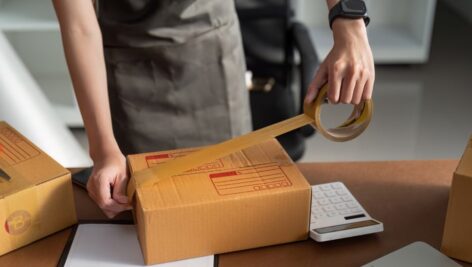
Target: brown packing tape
(353, 127)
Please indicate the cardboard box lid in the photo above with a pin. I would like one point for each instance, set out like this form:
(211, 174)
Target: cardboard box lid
(465, 164)
(222, 179)
(23, 162)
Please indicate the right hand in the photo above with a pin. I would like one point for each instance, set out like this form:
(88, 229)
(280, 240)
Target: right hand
(107, 184)
(348, 68)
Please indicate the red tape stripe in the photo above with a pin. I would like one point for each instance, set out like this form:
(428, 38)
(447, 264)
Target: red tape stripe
(223, 174)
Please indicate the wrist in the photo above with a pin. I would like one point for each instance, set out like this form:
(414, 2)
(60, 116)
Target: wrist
(345, 29)
(103, 151)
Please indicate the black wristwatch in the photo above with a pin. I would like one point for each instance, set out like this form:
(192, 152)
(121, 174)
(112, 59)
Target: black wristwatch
(351, 9)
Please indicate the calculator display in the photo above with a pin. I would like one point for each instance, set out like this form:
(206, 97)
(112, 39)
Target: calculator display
(343, 227)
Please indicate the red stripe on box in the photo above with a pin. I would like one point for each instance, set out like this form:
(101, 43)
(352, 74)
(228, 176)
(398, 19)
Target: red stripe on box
(223, 174)
(158, 156)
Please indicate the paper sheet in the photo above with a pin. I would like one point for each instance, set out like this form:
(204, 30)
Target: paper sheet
(110, 245)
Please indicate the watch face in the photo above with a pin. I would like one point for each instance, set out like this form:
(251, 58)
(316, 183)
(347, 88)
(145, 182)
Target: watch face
(354, 7)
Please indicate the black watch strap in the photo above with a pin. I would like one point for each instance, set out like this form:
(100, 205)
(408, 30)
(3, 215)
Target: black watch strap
(338, 11)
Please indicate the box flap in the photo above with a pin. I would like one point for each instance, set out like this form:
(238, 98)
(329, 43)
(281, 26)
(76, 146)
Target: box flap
(255, 171)
(465, 164)
(23, 162)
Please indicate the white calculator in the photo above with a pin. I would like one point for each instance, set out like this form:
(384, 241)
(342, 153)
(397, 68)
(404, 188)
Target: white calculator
(336, 214)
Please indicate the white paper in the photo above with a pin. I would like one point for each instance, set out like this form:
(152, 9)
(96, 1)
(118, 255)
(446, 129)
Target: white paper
(110, 245)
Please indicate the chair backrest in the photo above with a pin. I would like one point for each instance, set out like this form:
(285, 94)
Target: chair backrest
(265, 31)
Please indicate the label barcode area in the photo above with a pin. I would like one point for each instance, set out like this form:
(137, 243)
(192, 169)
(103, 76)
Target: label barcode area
(15, 149)
(230, 180)
(251, 179)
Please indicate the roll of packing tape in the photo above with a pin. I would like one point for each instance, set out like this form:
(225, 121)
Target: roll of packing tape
(357, 122)
(350, 129)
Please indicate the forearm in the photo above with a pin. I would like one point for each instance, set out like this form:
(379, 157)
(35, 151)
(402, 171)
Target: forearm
(84, 54)
(87, 69)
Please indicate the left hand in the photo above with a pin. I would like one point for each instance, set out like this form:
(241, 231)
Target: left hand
(348, 68)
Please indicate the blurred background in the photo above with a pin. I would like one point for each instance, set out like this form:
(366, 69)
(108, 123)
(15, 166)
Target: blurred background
(422, 94)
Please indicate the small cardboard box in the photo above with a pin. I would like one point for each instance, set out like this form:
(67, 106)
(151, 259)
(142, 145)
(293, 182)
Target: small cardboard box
(35, 192)
(457, 237)
(253, 198)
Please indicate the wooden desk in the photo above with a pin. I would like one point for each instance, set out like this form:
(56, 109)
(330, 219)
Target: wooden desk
(409, 197)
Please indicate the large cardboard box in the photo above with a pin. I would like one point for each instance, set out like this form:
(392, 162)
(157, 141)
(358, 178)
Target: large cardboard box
(457, 238)
(35, 192)
(253, 198)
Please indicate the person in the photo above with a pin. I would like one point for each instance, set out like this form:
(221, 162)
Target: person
(154, 75)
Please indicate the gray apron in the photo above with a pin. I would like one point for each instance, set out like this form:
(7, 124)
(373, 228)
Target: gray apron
(175, 72)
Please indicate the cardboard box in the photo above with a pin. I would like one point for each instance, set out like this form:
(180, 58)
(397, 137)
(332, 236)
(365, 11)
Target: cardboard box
(253, 198)
(457, 238)
(35, 192)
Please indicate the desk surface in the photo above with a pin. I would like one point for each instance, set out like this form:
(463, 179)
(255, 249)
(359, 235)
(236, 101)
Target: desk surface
(409, 197)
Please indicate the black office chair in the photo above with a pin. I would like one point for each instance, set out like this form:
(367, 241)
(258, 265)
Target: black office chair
(270, 38)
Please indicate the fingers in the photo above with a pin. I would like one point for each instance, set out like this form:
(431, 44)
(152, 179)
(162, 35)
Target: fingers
(360, 87)
(335, 78)
(119, 190)
(100, 189)
(369, 87)
(349, 84)
(319, 80)
(350, 68)
(110, 207)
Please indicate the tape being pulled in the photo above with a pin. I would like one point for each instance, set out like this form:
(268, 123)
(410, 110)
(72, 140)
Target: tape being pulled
(353, 127)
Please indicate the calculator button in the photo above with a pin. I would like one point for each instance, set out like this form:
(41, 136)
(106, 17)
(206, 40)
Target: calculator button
(316, 209)
(318, 195)
(341, 206)
(320, 216)
(329, 208)
(336, 200)
(332, 213)
(346, 198)
(325, 187)
(337, 186)
(330, 194)
(323, 202)
(344, 212)
(341, 192)
(352, 205)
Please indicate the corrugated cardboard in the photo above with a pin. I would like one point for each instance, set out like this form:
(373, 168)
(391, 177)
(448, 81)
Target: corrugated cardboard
(253, 198)
(457, 238)
(35, 192)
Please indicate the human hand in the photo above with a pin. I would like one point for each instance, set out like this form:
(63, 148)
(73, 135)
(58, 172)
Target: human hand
(107, 184)
(348, 68)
